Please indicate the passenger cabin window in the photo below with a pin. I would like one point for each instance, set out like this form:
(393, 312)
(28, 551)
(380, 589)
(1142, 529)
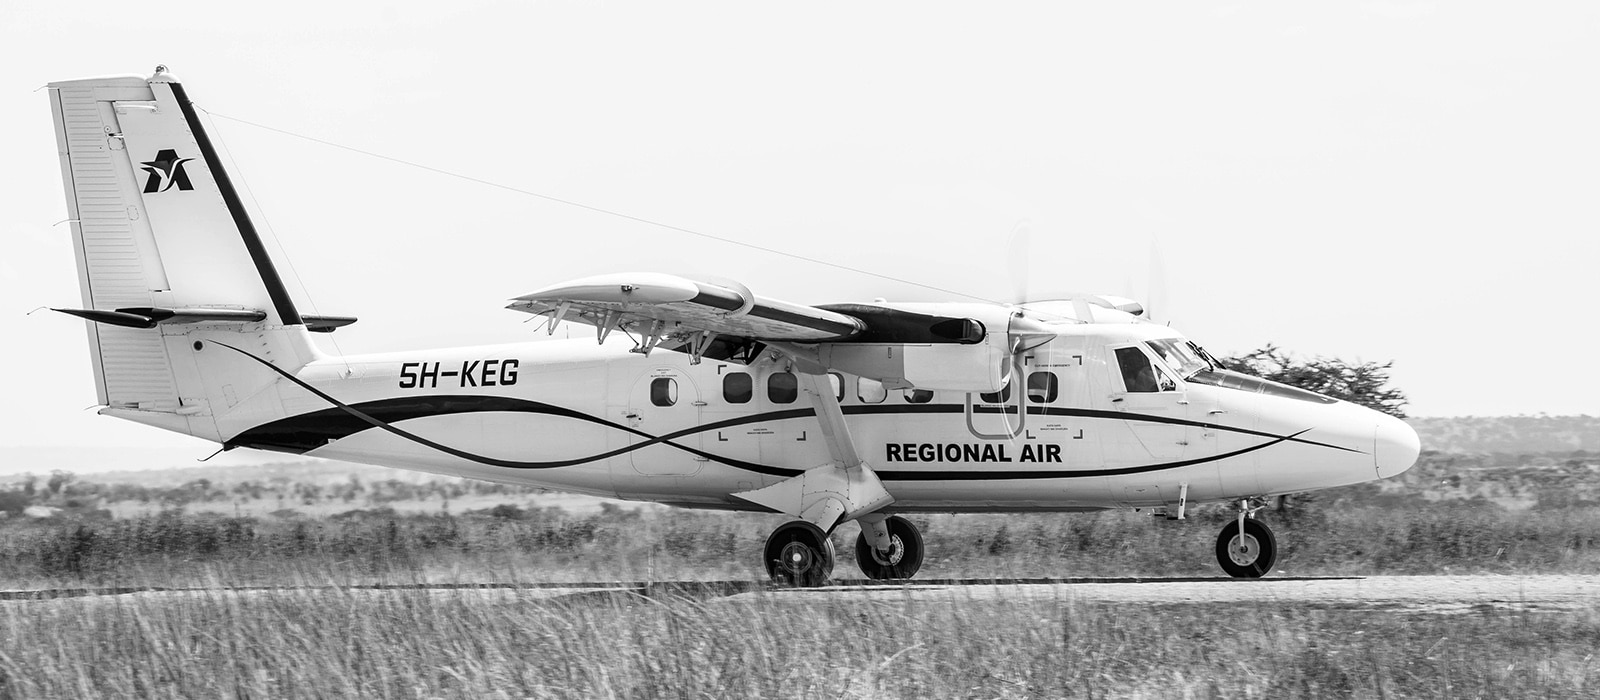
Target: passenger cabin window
(663, 391)
(782, 387)
(1042, 387)
(918, 395)
(838, 385)
(1001, 396)
(1139, 376)
(737, 387)
(870, 390)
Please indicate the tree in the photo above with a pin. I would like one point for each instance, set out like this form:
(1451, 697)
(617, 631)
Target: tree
(1362, 383)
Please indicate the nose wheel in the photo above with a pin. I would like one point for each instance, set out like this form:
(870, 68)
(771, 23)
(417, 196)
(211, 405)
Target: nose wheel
(799, 554)
(1247, 554)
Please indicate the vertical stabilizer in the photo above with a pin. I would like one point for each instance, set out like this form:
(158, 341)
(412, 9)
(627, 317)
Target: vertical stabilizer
(160, 232)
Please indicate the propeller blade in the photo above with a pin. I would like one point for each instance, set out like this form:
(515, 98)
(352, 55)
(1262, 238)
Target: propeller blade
(1155, 297)
(1018, 249)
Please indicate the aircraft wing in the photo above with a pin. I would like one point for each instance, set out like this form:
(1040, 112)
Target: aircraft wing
(673, 310)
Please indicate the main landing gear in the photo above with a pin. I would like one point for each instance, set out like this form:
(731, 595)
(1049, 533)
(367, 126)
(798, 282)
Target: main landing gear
(1246, 547)
(800, 554)
(899, 559)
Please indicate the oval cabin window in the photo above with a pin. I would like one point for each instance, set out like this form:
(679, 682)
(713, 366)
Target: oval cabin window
(663, 391)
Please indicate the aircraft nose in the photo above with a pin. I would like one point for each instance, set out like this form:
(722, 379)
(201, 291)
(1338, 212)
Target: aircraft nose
(1395, 446)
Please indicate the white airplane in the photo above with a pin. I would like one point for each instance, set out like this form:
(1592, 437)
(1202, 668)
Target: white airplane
(701, 394)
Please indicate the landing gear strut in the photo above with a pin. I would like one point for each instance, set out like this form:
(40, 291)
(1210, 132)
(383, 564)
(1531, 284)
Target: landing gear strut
(900, 559)
(799, 554)
(1246, 547)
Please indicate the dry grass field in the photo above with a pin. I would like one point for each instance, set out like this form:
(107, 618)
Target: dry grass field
(346, 643)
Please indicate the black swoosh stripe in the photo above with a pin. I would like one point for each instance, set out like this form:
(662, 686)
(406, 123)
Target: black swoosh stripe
(1146, 418)
(344, 420)
(281, 301)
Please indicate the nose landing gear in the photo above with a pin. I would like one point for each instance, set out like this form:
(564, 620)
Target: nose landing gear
(1246, 547)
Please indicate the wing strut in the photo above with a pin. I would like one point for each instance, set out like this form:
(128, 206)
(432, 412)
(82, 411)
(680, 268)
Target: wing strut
(844, 489)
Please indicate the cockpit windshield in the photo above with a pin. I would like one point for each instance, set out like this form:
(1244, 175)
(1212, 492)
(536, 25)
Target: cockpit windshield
(1179, 356)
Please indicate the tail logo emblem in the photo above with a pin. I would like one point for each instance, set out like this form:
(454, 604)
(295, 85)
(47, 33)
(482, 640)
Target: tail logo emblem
(165, 171)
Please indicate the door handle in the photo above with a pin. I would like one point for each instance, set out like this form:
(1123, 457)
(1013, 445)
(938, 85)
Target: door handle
(1215, 412)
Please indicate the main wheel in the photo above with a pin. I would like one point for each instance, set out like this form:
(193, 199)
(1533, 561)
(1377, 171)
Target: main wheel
(1249, 556)
(903, 558)
(799, 554)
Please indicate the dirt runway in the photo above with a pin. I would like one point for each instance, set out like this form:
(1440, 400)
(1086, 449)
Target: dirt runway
(1443, 594)
(1419, 593)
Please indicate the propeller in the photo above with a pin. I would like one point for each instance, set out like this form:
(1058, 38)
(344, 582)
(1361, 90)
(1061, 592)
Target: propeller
(1155, 293)
(1018, 248)
(1022, 332)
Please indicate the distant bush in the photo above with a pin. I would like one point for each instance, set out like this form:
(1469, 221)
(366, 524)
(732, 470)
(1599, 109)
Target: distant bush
(506, 511)
(12, 502)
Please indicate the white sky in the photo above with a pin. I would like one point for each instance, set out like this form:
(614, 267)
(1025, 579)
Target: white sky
(1407, 181)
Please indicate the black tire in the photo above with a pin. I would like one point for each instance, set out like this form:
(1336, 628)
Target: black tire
(1254, 559)
(904, 556)
(799, 554)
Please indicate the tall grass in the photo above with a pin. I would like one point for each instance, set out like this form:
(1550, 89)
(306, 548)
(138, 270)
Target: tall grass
(510, 644)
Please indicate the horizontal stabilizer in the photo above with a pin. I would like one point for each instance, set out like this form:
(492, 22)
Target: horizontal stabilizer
(150, 317)
(326, 324)
(146, 317)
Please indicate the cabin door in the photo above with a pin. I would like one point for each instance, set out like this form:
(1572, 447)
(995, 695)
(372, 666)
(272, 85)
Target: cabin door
(664, 408)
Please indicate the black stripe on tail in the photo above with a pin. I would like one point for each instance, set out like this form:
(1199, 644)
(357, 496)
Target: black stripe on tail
(241, 218)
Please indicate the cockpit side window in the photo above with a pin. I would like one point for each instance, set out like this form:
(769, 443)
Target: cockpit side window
(1139, 375)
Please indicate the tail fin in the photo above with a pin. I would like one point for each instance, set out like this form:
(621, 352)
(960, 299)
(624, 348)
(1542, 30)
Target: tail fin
(168, 259)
